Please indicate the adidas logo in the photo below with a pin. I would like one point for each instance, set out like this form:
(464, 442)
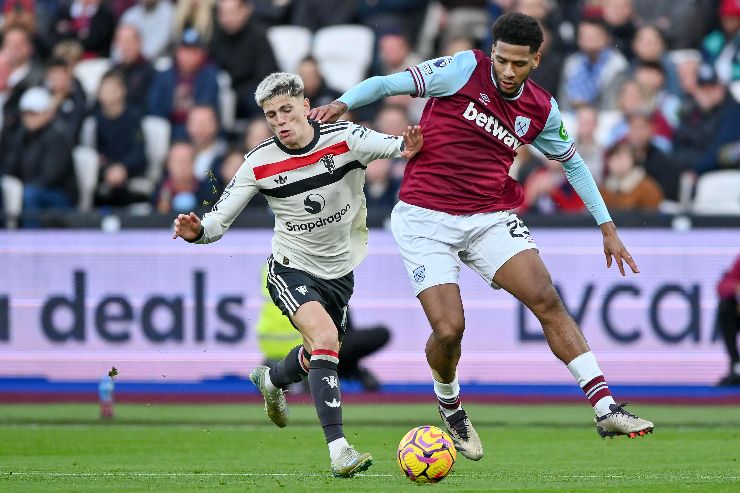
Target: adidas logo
(280, 180)
(334, 403)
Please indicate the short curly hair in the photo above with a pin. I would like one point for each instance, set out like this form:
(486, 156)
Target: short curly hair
(518, 29)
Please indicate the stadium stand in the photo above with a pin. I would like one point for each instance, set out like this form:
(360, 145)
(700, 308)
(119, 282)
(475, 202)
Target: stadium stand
(344, 54)
(291, 44)
(12, 189)
(718, 192)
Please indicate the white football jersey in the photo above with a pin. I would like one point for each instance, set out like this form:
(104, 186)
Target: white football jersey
(316, 194)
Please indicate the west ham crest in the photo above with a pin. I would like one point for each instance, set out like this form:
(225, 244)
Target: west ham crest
(328, 160)
(521, 125)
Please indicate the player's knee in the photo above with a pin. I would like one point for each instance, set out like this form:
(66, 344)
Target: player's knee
(546, 303)
(448, 333)
(325, 340)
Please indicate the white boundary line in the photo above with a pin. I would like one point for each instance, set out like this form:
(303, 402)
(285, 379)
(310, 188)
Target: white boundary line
(174, 474)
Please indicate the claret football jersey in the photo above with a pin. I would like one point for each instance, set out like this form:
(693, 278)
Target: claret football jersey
(472, 133)
(316, 194)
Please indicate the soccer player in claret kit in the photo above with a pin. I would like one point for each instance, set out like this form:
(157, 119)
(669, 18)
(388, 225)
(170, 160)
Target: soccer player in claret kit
(455, 201)
(312, 176)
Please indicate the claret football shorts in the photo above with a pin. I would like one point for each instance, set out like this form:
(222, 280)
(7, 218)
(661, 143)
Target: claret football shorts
(434, 244)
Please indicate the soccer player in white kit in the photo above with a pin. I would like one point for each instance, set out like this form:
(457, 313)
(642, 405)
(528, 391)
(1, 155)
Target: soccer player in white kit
(455, 201)
(312, 176)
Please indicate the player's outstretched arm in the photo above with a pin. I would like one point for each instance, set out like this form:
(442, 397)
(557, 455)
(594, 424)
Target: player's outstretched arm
(613, 247)
(413, 140)
(187, 226)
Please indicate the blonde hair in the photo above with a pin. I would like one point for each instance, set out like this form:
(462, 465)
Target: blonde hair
(278, 84)
(196, 14)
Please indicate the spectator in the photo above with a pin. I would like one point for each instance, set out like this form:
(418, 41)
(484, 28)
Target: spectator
(619, 18)
(40, 155)
(233, 160)
(649, 156)
(456, 45)
(684, 22)
(92, 23)
(381, 188)
(393, 15)
(728, 320)
(550, 69)
(273, 12)
(17, 49)
(69, 50)
(627, 186)
(194, 14)
(137, 71)
(153, 20)
(636, 98)
(546, 190)
(595, 72)
(464, 19)
(191, 81)
(706, 122)
(651, 75)
(649, 46)
(687, 68)
(721, 48)
(203, 131)
(315, 88)
(590, 149)
(68, 96)
(238, 37)
(315, 14)
(395, 53)
(257, 132)
(181, 190)
(119, 142)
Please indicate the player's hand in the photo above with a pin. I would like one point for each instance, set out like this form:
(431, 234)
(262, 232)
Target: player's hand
(329, 113)
(413, 139)
(187, 226)
(613, 247)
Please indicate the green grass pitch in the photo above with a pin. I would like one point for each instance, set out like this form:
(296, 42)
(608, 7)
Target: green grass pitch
(230, 448)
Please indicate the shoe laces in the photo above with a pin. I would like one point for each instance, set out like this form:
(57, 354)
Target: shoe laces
(620, 410)
(458, 422)
(347, 455)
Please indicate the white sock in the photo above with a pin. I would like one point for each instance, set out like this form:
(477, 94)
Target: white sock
(268, 382)
(587, 373)
(336, 446)
(448, 395)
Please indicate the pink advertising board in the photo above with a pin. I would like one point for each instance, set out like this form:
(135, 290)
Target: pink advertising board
(75, 303)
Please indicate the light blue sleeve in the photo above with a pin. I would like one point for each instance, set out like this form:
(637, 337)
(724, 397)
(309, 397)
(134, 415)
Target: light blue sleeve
(438, 77)
(555, 143)
(443, 76)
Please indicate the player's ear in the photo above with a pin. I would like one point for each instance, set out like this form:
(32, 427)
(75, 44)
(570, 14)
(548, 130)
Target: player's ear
(306, 106)
(537, 57)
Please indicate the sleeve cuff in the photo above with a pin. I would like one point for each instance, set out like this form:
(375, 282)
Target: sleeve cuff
(199, 236)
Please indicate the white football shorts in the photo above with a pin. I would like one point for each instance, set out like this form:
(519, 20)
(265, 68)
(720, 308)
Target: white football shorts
(434, 244)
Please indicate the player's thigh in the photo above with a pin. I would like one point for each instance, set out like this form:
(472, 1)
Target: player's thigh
(498, 237)
(428, 243)
(303, 299)
(526, 277)
(316, 326)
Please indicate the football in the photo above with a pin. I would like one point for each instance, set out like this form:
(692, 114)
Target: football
(426, 454)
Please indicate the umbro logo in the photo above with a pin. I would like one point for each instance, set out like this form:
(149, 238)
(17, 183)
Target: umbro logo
(484, 98)
(280, 180)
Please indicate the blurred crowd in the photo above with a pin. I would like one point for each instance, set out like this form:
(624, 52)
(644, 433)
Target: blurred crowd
(148, 105)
